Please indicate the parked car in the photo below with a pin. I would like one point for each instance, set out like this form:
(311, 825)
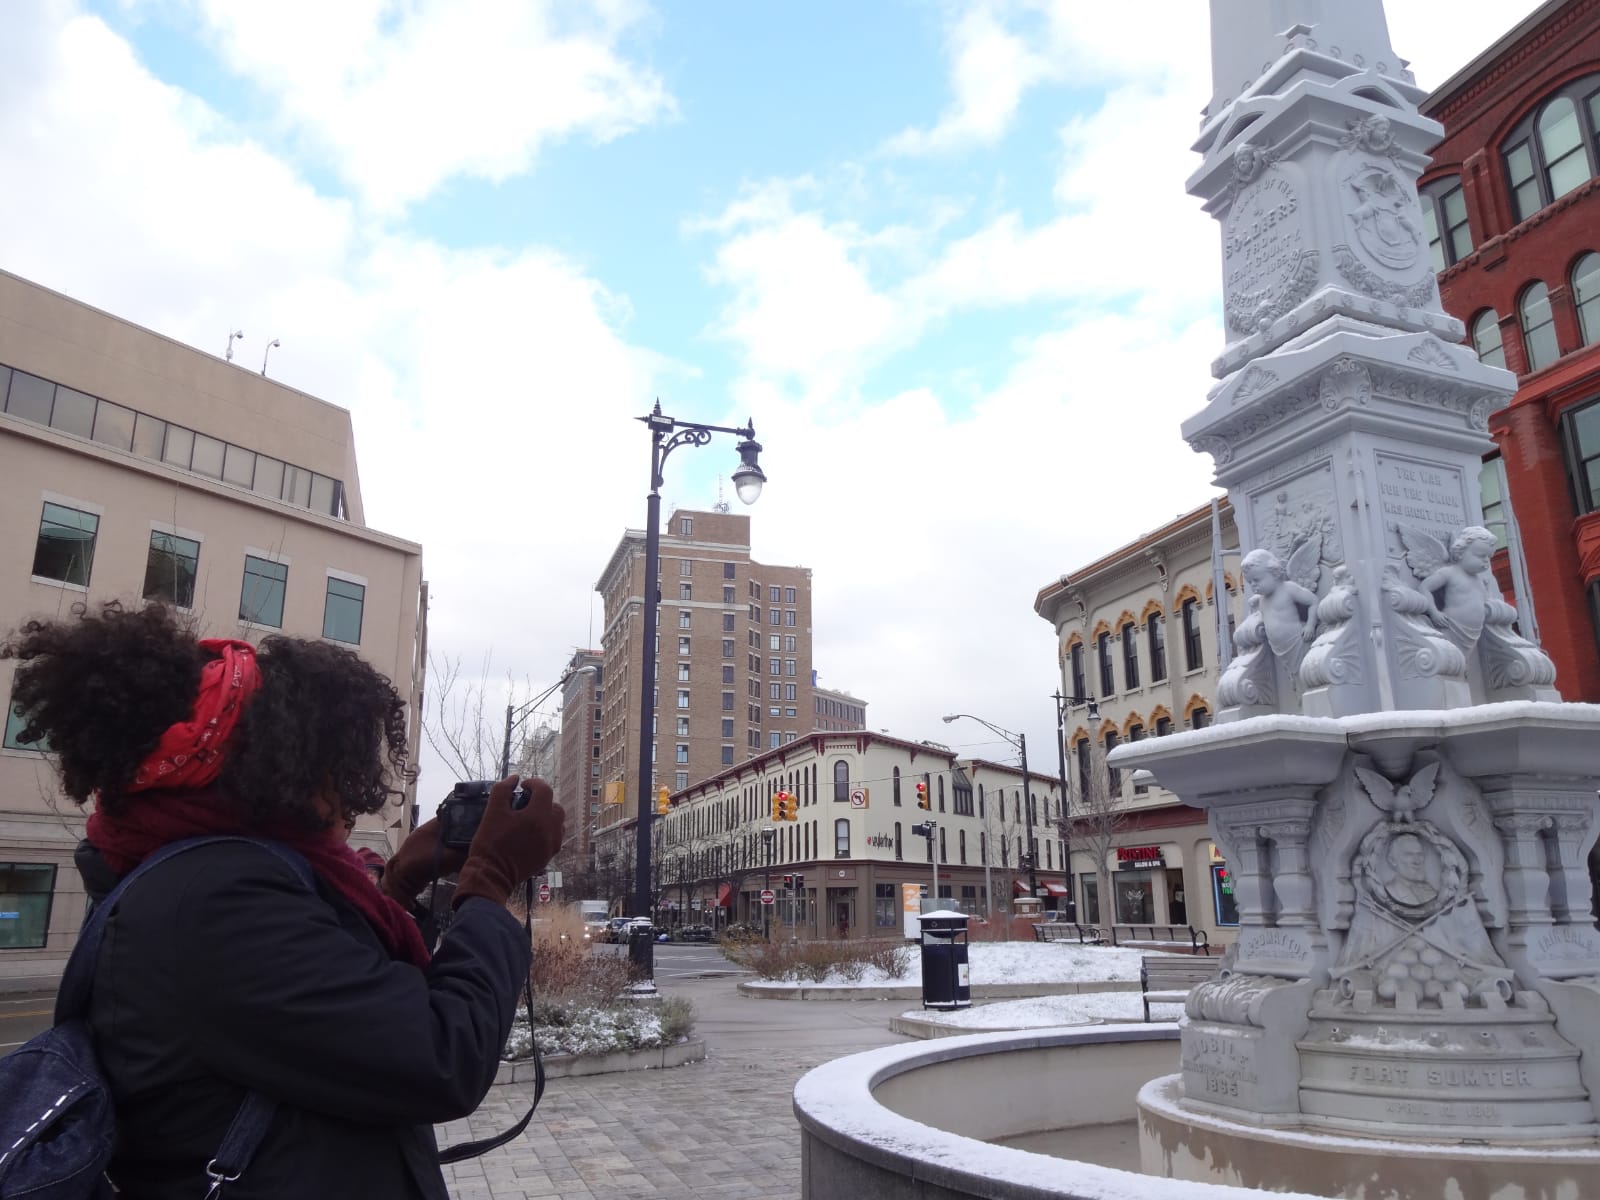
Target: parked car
(693, 933)
(616, 929)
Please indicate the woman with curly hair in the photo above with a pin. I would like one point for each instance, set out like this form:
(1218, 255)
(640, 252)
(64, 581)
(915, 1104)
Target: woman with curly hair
(220, 973)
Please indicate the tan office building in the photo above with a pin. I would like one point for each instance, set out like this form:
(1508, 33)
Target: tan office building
(137, 468)
(1137, 631)
(837, 712)
(732, 664)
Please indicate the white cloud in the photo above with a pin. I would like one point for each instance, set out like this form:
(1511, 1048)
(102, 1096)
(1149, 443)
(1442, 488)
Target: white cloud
(398, 98)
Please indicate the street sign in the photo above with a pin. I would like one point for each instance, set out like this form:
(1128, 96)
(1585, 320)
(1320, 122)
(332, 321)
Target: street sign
(768, 896)
(544, 893)
(858, 797)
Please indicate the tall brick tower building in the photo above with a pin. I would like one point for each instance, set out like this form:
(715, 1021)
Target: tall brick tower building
(1512, 203)
(732, 665)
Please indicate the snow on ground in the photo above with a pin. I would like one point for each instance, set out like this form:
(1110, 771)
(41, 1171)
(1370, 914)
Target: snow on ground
(1041, 1011)
(1007, 962)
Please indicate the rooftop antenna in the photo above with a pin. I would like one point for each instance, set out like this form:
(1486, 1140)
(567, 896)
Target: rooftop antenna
(721, 505)
(232, 336)
(270, 345)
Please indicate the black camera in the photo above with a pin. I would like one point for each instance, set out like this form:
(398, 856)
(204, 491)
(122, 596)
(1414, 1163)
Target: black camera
(461, 812)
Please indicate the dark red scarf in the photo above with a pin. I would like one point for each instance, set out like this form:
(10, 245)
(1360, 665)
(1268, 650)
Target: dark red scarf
(178, 772)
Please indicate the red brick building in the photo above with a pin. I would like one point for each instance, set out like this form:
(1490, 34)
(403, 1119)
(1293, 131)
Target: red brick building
(1513, 205)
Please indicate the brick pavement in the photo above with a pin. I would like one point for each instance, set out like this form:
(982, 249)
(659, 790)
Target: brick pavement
(721, 1128)
(724, 1127)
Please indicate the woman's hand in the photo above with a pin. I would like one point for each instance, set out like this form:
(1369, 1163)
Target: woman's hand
(412, 867)
(512, 844)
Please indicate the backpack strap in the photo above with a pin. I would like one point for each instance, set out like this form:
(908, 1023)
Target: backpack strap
(255, 1113)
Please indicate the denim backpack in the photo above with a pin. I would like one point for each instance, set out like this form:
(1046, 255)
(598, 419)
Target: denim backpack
(58, 1127)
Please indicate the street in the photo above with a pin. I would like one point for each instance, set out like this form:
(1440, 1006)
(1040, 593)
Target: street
(23, 1015)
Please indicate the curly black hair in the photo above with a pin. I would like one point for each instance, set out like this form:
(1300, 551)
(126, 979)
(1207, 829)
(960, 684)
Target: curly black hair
(102, 687)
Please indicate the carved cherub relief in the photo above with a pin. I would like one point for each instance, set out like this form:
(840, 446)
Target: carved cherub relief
(1454, 579)
(1285, 597)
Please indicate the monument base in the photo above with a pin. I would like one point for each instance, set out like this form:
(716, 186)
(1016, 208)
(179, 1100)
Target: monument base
(1178, 1143)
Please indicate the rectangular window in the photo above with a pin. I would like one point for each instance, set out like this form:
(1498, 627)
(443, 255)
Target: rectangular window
(208, 454)
(789, 617)
(683, 726)
(239, 466)
(789, 644)
(775, 593)
(774, 738)
(774, 617)
(727, 622)
(683, 645)
(727, 647)
(788, 691)
(777, 667)
(885, 905)
(686, 591)
(685, 618)
(261, 596)
(727, 727)
(685, 526)
(65, 549)
(727, 701)
(683, 698)
(341, 611)
(727, 756)
(1580, 428)
(727, 674)
(148, 434)
(727, 595)
(113, 425)
(727, 570)
(73, 412)
(788, 595)
(30, 397)
(788, 666)
(1193, 657)
(170, 567)
(13, 737)
(774, 642)
(683, 672)
(682, 752)
(268, 479)
(26, 890)
(1130, 656)
(1156, 633)
(686, 567)
(775, 692)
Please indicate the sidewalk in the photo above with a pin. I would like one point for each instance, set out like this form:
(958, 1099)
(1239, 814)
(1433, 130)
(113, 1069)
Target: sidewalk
(724, 1127)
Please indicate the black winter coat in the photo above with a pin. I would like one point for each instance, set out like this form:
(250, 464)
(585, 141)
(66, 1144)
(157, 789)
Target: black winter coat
(220, 973)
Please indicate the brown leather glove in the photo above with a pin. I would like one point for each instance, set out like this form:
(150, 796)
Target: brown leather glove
(512, 844)
(411, 869)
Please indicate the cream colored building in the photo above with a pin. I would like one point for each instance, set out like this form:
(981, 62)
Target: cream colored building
(138, 468)
(1137, 631)
(851, 842)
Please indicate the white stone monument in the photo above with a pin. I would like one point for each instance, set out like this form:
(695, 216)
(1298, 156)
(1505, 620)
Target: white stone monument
(1406, 807)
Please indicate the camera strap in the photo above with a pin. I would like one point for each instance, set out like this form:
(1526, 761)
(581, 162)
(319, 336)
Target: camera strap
(472, 1149)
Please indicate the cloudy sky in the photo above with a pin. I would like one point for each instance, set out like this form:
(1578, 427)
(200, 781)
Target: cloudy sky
(939, 253)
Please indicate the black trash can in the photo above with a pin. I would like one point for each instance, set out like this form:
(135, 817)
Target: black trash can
(946, 980)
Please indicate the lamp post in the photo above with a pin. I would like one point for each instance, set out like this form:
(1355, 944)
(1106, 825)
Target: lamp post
(1020, 741)
(666, 435)
(1066, 793)
(517, 714)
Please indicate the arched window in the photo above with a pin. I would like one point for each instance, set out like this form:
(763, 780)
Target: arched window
(1538, 326)
(897, 787)
(841, 838)
(841, 781)
(962, 846)
(1444, 216)
(1586, 295)
(1486, 338)
(941, 793)
(1553, 151)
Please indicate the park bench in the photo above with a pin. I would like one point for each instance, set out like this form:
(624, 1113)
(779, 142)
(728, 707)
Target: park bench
(1177, 937)
(1167, 978)
(1053, 931)
(1090, 935)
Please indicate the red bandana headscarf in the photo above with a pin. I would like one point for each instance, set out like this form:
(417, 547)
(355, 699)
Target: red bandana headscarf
(189, 758)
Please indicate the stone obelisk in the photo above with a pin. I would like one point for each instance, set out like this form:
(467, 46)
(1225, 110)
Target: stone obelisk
(1406, 808)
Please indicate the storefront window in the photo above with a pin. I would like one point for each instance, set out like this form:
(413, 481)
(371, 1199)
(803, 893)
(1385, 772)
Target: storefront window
(1222, 889)
(1136, 899)
(26, 890)
(1091, 900)
(885, 904)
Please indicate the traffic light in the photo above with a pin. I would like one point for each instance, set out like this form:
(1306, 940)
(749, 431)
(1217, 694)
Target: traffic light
(788, 882)
(922, 796)
(777, 806)
(787, 807)
(799, 883)
(663, 801)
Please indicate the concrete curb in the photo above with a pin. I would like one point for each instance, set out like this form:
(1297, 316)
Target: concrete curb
(984, 991)
(566, 1066)
(917, 1027)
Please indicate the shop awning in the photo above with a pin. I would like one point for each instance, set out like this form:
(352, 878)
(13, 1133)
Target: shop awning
(1019, 887)
(725, 896)
(1056, 889)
